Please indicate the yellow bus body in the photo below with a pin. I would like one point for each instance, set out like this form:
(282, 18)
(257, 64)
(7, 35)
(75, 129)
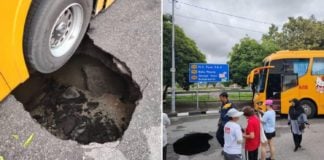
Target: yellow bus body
(13, 69)
(306, 88)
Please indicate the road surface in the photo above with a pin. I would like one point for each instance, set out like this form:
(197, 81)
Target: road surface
(313, 141)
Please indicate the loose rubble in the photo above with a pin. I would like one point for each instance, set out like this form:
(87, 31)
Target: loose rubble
(84, 101)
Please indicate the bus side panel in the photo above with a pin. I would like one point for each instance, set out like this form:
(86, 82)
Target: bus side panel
(286, 96)
(4, 89)
(12, 63)
(305, 90)
(320, 95)
(308, 90)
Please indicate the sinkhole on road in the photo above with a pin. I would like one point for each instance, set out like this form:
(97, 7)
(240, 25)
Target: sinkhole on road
(90, 99)
(192, 143)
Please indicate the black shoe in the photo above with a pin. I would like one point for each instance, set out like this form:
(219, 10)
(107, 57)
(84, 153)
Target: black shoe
(296, 148)
(301, 147)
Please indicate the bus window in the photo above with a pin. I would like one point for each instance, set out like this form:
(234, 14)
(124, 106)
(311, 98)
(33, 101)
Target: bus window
(290, 66)
(281, 68)
(318, 66)
(289, 81)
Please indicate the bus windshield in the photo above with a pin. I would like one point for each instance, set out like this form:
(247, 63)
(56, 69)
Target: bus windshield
(262, 79)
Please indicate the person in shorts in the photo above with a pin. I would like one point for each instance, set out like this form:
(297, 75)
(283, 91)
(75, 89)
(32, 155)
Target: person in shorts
(269, 125)
(233, 136)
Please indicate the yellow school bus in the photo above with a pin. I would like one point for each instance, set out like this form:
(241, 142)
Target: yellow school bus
(287, 75)
(40, 35)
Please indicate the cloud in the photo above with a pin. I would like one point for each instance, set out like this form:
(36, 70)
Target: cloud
(216, 41)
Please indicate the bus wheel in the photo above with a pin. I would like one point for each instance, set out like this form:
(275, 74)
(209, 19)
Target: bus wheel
(309, 107)
(53, 31)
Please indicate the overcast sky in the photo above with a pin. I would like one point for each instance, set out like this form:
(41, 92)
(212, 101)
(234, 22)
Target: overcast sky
(216, 41)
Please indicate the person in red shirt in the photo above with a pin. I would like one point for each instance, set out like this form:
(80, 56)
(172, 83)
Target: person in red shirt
(252, 134)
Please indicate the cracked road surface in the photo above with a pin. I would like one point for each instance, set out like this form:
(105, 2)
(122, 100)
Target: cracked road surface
(130, 31)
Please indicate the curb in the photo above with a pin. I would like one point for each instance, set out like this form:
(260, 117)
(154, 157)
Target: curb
(185, 114)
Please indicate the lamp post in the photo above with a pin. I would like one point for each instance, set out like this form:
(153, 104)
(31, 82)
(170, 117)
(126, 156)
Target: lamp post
(173, 69)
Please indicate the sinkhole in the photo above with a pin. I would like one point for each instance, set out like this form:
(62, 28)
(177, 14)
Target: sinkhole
(90, 99)
(192, 143)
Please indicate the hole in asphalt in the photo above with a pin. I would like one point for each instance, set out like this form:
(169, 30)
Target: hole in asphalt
(90, 99)
(192, 144)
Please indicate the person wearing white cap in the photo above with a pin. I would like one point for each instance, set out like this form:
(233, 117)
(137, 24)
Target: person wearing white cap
(233, 136)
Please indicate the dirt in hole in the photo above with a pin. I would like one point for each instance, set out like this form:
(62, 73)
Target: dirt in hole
(86, 100)
(193, 143)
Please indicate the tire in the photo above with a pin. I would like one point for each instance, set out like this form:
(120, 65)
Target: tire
(51, 36)
(309, 107)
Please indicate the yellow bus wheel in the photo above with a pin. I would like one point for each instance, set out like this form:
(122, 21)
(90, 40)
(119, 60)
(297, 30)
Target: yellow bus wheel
(309, 107)
(53, 31)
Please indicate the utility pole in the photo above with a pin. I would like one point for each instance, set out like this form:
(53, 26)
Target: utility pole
(173, 70)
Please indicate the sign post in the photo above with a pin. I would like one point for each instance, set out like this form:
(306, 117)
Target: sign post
(204, 73)
(197, 107)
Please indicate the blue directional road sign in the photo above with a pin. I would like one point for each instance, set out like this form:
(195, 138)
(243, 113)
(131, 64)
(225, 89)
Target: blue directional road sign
(203, 72)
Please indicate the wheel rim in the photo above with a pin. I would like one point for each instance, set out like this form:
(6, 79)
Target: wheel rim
(66, 30)
(308, 109)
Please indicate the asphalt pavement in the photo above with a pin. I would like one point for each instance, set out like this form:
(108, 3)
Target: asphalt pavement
(312, 143)
(130, 31)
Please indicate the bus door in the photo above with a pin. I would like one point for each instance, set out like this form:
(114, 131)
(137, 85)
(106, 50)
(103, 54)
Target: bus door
(273, 91)
(289, 83)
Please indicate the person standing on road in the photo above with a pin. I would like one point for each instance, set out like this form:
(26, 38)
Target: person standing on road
(226, 105)
(166, 122)
(252, 134)
(297, 120)
(233, 136)
(269, 125)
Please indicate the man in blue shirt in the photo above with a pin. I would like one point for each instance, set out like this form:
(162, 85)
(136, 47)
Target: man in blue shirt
(269, 126)
(226, 105)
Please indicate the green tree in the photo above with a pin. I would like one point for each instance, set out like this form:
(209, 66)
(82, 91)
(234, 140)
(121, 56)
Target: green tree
(186, 51)
(296, 34)
(246, 55)
(299, 34)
